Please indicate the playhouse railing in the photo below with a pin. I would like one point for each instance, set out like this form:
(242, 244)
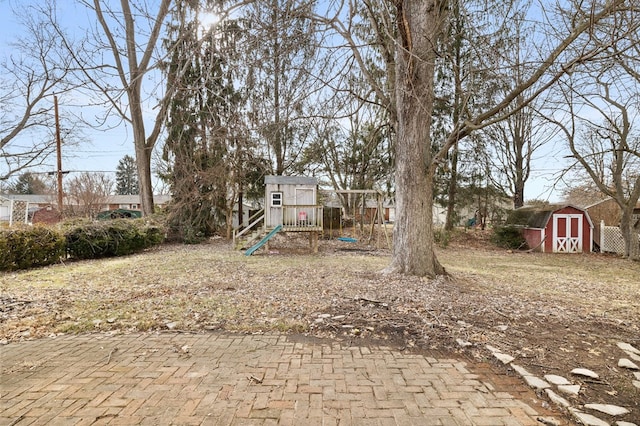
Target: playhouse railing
(302, 217)
(254, 220)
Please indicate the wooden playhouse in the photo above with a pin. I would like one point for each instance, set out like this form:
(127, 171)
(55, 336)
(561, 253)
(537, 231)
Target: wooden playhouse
(555, 228)
(290, 205)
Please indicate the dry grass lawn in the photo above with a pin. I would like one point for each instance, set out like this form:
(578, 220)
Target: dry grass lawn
(552, 312)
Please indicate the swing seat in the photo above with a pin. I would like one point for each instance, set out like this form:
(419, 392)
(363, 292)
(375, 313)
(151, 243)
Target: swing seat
(347, 239)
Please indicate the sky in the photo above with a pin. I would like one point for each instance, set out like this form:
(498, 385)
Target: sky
(100, 150)
(92, 149)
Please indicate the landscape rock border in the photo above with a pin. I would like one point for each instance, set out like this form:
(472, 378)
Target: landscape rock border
(564, 385)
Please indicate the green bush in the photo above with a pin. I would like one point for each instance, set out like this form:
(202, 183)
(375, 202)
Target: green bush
(29, 247)
(509, 237)
(118, 237)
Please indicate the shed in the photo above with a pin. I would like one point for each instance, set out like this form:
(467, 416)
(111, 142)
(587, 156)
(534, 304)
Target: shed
(555, 228)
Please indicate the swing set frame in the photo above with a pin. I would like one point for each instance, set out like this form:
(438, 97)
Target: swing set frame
(357, 199)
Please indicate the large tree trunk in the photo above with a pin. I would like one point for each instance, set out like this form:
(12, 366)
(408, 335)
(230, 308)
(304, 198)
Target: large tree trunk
(413, 247)
(145, 187)
(629, 234)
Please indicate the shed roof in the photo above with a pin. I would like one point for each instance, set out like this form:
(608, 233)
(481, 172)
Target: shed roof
(290, 180)
(537, 216)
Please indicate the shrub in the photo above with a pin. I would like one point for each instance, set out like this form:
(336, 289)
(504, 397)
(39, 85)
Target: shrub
(509, 236)
(118, 237)
(442, 237)
(28, 247)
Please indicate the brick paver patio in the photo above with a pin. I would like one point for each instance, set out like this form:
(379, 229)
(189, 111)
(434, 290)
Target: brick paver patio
(225, 379)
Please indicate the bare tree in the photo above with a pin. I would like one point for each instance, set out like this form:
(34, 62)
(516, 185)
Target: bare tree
(87, 194)
(520, 135)
(608, 148)
(119, 50)
(28, 79)
(281, 53)
(419, 26)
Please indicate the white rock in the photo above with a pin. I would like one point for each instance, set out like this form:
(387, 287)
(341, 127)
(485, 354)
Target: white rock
(536, 382)
(636, 383)
(612, 410)
(633, 356)
(463, 343)
(502, 327)
(324, 316)
(171, 325)
(557, 399)
(521, 371)
(625, 363)
(584, 372)
(619, 423)
(556, 380)
(587, 419)
(637, 374)
(569, 389)
(628, 348)
(506, 359)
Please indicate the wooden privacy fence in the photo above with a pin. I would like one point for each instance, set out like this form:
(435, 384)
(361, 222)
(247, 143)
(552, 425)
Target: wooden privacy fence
(611, 240)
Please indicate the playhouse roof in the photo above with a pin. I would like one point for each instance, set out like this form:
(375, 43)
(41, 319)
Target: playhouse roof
(290, 180)
(537, 216)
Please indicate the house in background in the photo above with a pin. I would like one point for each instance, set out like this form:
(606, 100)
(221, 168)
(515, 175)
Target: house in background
(132, 202)
(15, 208)
(33, 208)
(555, 228)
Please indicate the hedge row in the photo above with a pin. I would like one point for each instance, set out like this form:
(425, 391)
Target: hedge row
(30, 247)
(24, 248)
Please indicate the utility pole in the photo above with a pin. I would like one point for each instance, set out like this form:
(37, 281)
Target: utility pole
(59, 150)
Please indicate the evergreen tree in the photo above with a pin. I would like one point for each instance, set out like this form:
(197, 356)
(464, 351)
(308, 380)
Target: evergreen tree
(207, 143)
(127, 176)
(28, 183)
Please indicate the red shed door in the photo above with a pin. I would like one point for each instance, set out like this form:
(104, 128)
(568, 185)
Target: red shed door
(567, 233)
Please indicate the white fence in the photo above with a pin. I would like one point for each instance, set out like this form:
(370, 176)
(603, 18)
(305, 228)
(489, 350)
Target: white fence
(611, 240)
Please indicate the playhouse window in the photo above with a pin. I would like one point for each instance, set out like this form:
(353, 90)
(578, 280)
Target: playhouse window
(276, 199)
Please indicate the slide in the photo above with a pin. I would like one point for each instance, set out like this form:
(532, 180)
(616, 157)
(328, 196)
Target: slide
(263, 241)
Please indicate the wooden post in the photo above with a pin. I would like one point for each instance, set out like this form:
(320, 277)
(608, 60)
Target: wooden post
(59, 150)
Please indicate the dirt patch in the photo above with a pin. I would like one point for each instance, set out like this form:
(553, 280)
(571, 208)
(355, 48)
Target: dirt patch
(553, 313)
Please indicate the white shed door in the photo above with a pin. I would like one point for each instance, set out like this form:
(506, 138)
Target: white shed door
(567, 233)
